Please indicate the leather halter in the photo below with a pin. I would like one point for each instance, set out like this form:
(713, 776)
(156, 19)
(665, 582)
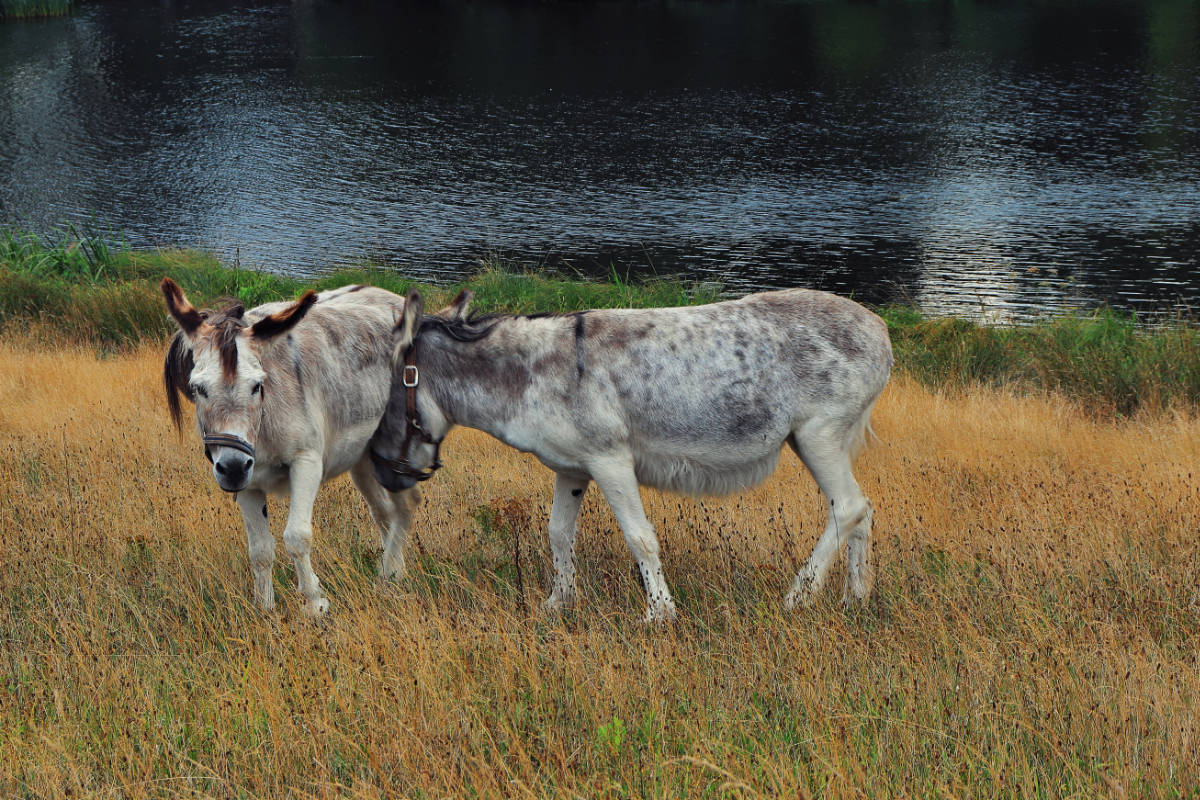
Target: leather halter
(226, 440)
(410, 376)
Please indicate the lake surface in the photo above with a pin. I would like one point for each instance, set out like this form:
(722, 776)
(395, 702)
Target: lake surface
(999, 159)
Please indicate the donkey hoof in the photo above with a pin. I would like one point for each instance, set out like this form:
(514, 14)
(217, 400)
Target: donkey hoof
(555, 604)
(317, 608)
(386, 576)
(854, 597)
(798, 600)
(661, 614)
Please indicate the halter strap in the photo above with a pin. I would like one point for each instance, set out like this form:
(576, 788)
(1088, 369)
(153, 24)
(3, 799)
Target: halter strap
(410, 377)
(226, 440)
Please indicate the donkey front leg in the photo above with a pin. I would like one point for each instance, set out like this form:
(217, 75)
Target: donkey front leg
(253, 504)
(620, 487)
(306, 475)
(568, 496)
(392, 512)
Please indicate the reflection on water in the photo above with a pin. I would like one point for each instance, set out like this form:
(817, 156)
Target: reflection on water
(1001, 160)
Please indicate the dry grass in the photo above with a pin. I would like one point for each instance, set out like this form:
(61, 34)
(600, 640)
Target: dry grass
(1034, 631)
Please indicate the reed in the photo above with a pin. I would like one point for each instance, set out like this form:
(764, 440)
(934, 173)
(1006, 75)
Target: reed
(1033, 633)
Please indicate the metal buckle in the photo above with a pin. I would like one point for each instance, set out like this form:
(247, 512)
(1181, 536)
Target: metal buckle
(410, 383)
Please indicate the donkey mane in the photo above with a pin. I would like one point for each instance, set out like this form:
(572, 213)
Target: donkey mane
(478, 326)
(228, 325)
(471, 329)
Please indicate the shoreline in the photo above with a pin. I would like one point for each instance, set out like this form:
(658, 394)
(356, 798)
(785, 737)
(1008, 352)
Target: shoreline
(93, 289)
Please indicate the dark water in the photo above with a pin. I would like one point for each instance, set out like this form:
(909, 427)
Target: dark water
(999, 158)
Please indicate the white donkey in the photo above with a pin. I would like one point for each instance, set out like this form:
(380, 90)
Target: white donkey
(287, 396)
(696, 400)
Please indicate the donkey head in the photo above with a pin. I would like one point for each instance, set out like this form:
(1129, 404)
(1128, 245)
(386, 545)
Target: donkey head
(404, 449)
(215, 360)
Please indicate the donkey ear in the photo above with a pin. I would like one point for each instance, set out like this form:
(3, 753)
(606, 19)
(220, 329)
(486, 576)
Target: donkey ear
(459, 306)
(185, 313)
(406, 329)
(284, 320)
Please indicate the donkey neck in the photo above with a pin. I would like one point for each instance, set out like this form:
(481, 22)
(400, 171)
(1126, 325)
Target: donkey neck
(482, 384)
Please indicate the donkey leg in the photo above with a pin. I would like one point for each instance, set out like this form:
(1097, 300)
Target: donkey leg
(825, 454)
(620, 488)
(860, 570)
(297, 536)
(404, 503)
(253, 504)
(392, 512)
(568, 496)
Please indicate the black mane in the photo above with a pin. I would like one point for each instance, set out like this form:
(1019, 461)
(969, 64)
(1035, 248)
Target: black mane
(478, 326)
(228, 324)
(471, 329)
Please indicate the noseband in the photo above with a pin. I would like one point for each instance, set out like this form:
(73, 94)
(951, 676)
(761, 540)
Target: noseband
(226, 440)
(410, 377)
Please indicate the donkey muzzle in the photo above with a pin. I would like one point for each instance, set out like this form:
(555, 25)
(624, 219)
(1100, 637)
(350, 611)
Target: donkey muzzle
(396, 474)
(233, 466)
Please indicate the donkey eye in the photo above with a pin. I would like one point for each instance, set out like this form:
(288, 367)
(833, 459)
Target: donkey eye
(257, 388)
(200, 390)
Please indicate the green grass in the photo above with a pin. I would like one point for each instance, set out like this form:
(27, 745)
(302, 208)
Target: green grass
(93, 286)
(17, 9)
(90, 285)
(1106, 359)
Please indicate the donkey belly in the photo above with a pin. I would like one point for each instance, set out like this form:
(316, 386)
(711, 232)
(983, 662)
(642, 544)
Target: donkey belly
(707, 476)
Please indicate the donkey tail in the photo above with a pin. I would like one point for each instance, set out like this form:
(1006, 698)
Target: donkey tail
(860, 430)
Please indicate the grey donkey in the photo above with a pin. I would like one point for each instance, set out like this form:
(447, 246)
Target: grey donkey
(287, 396)
(695, 399)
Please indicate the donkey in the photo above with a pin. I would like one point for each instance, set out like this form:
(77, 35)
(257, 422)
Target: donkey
(697, 400)
(287, 396)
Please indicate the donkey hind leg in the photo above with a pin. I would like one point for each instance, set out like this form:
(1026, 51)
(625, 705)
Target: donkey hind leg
(568, 496)
(392, 512)
(297, 536)
(860, 568)
(826, 450)
(253, 504)
(620, 488)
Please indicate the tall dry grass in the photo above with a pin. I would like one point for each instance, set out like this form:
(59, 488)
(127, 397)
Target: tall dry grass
(1034, 631)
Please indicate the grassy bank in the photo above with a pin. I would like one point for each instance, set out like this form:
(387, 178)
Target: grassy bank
(1034, 630)
(25, 9)
(92, 288)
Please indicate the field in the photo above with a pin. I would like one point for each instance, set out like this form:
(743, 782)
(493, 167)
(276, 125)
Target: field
(1034, 631)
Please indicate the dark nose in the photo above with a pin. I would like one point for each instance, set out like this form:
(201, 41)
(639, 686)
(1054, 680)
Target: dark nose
(233, 471)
